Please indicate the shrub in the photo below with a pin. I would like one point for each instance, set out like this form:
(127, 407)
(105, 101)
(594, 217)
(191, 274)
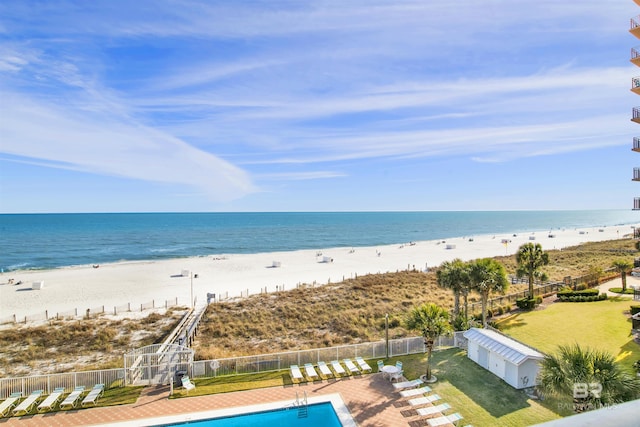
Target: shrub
(526, 303)
(583, 293)
(635, 309)
(636, 365)
(576, 298)
(538, 300)
(581, 287)
(500, 311)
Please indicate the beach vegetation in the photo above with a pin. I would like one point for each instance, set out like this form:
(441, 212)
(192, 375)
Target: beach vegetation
(591, 377)
(622, 266)
(487, 276)
(530, 259)
(431, 321)
(96, 343)
(454, 275)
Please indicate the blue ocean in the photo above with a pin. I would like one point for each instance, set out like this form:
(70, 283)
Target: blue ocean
(42, 241)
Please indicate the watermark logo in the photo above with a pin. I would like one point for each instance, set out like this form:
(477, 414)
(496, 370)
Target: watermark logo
(587, 390)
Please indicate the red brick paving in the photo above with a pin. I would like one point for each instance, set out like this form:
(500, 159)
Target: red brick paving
(370, 399)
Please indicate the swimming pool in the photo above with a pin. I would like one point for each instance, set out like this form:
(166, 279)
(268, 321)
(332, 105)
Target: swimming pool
(317, 415)
(328, 408)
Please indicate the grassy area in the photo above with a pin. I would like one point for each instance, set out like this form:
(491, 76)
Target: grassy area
(120, 396)
(628, 291)
(231, 383)
(479, 396)
(603, 325)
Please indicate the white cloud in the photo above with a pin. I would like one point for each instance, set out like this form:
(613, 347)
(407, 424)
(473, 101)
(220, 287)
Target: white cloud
(103, 145)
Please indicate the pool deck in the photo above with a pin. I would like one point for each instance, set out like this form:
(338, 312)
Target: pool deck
(371, 400)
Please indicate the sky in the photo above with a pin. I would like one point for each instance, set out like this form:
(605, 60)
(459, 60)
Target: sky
(347, 105)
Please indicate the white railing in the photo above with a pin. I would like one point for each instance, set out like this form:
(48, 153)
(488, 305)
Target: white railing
(89, 312)
(229, 366)
(25, 385)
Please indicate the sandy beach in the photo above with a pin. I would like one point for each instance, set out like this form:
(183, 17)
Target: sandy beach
(234, 275)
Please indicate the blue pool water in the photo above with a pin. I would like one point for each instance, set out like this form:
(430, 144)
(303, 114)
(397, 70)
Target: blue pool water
(319, 415)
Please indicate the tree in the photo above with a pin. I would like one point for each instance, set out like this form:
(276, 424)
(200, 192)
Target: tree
(591, 377)
(453, 275)
(432, 321)
(487, 276)
(530, 259)
(622, 266)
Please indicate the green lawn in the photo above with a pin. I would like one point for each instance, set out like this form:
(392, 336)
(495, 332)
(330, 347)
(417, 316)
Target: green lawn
(600, 324)
(479, 396)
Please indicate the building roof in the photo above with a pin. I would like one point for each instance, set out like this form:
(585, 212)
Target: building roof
(510, 349)
(620, 415)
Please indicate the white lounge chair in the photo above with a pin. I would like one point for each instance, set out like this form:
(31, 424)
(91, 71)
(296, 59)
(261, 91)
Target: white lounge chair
(48, 403)
(351, 366)
(424, 400)
(310, 371)
(9, 403)
(447, 419)
(187, 384)
(433, 410)
(364, 366)
(408, 384)
(26, 405)
(98, 390)
(296, 374)
(415, 391)
(337, 368)
(72, 400)
(324, 369)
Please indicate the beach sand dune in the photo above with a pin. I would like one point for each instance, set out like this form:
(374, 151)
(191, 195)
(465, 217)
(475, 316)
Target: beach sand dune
(234, 275)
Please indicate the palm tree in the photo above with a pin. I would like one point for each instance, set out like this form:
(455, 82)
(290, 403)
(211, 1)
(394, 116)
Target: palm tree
(530, 258)
(591, 377)
(622, 266)
(487, 276)
(453, 275)
(432, 321)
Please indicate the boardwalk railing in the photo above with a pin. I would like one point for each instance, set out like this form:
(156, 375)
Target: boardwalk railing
(90, 312)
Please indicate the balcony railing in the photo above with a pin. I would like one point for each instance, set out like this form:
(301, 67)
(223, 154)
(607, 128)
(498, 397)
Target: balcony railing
(635, 26)
(636, 144)
(636, 174)
(635, 55)
(635, 114)
(636, 204)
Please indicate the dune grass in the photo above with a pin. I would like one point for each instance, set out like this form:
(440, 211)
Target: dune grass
(305, 318)
(603, 325)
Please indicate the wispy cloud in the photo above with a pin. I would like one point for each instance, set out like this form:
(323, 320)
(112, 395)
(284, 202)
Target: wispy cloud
(223, 96)
(105, 145)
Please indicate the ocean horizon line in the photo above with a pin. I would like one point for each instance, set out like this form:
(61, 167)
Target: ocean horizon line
(43, 241)
(317, 211)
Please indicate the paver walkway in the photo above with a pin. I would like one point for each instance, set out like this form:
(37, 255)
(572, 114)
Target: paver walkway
(371, 400)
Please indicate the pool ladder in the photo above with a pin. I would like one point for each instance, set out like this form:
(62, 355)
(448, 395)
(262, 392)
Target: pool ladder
(302, 405)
